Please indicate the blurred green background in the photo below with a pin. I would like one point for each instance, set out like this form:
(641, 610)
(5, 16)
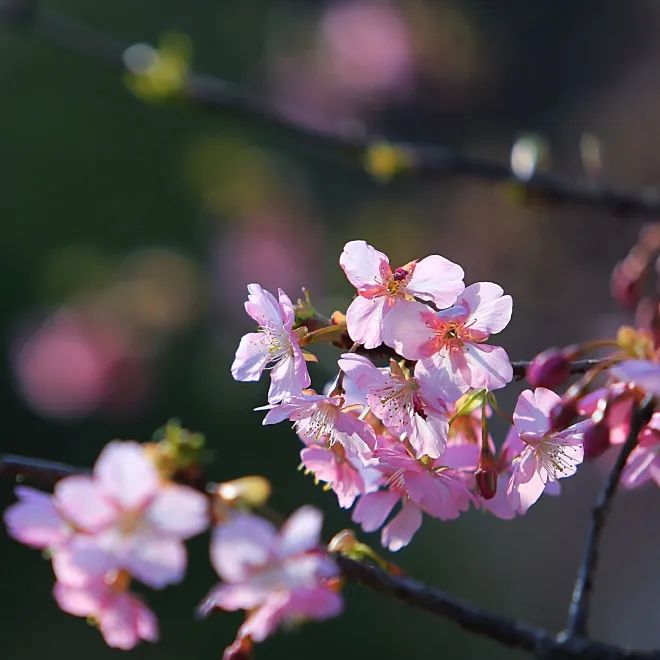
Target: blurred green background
(130, 229)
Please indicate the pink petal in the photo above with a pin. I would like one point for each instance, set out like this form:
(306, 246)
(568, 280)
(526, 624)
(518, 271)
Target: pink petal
(500, 506)
(533, 410)
(288, 314)
(232, 597)
(405, 330)
(80, 500)
(361, 371)
(179, 511)
(126, 474)
(490, 310)
(289, 377)
(301, 532)
(318, 603)
(83, 561)
(372, 509)
(344, 480)
(642, 373)
(263, 621)
(124, 620)
(34, 521)
(155, 560)
(400, 530)
(85, 601)
(364, 320)
(637, 470)
(362, 264)
(252, 356)
(489, 366)
(263, 307)
(437, 279)
(439, 384)
(429, 436)
(244, 542)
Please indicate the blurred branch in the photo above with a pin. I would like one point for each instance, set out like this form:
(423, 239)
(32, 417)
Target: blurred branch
(576, 366)
(579, 609)
(35, 469)
(354, 144)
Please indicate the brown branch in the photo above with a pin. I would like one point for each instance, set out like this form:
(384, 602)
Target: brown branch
(577, 366)
(422, 160)
(580, 601)
(510, 632)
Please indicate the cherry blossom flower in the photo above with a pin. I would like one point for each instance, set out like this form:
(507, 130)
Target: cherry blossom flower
(345, 472)
(644, 462)
(323, 420)
(643, 373)
(35, 521)
(421, 485)
(278, 577)
(122, 617)
(381, 290)
(409, 407)
(126, 519)
(548, 455)
(449, 344)
(275, 344)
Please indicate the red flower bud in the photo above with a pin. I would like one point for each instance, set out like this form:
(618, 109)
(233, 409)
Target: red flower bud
(240, 649)
(563, 414)
(486, 482)
(596, 440)
(549, 368)
(626, 283)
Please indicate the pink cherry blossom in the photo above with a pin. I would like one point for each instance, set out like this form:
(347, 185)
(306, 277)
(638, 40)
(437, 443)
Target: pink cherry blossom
(275, 344)
(278, 577)
(123, 619)
(644, 462)
(411, 408)
(323, 420)
(381, 290)
(345, 472)
(643, 373)
(421, 485)
(548, 455)
(126, 519)
(35, 521)
(449, 344)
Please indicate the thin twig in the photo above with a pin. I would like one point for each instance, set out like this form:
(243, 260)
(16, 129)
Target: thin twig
(352, 144)
(580, 601)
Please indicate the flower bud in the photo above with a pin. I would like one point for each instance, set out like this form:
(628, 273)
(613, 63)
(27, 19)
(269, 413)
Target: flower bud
(252, 490)
(240, 649)
(596, 440)
(486, 479)
(549, 368)
(626, 283)
(563, 413)
(343, 542)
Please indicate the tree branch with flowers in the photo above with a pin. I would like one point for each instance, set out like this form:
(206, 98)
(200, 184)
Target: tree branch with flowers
(402, 434)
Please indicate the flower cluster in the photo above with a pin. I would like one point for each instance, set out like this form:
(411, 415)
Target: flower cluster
(128, 521)
(410, 432)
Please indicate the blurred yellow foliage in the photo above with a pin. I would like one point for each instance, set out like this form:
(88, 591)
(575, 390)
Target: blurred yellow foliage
(158, 74)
